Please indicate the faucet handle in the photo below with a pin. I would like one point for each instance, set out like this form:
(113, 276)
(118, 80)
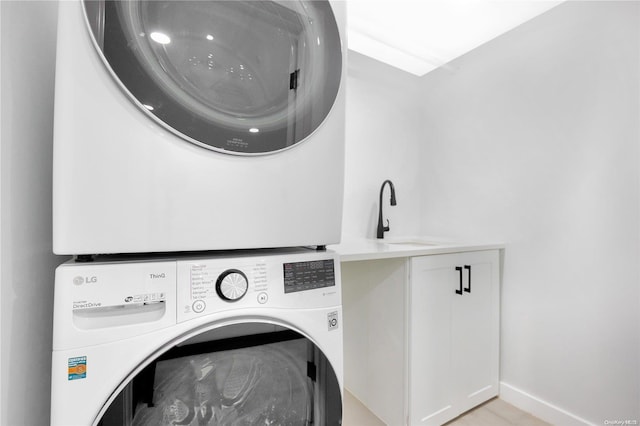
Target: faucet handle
(386, 228)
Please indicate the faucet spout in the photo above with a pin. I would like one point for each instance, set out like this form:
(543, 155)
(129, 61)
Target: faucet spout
(381, 227)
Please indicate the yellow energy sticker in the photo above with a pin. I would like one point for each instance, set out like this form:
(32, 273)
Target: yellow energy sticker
(77, 368)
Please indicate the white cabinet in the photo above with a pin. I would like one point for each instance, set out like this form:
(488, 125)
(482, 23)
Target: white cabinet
(416, 351)
(453, 334)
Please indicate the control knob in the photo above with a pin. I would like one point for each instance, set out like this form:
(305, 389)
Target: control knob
(232, 285)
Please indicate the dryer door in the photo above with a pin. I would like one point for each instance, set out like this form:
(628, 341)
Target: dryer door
(263, 374)
(247, 77)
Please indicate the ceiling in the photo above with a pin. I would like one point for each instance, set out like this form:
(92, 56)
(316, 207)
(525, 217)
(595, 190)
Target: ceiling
(419, 36)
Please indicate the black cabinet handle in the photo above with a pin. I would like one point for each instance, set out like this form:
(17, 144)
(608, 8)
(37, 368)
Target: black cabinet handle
(468, 268)
(459, 269)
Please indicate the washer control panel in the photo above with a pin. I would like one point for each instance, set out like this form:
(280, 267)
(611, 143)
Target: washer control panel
(300, 280)
(121, 299)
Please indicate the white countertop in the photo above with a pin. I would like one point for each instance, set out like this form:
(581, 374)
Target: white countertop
(370, 249)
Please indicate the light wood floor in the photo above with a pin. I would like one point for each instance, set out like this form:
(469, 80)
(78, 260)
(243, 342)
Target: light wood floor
(495, 412)
(356, 414)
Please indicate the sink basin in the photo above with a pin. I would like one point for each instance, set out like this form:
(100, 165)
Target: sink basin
(412, 241)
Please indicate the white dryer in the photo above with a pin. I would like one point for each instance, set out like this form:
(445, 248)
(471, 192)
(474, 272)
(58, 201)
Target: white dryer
(198, 125)
(250, 339)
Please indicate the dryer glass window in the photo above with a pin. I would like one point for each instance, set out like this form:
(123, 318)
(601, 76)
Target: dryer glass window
(245, 77)
(279, 377)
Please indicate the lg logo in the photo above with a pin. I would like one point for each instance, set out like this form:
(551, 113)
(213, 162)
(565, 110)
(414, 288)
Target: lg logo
(82, 280)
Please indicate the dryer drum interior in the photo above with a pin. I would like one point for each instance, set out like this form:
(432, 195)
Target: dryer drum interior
(238, 76)
(278, 377)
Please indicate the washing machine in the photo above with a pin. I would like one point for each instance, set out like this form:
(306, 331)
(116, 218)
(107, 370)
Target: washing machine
(198, 125)
(246, 338)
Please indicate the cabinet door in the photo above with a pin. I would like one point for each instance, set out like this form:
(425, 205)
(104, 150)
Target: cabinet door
(475, 330)
(431, 391)
(453, 338)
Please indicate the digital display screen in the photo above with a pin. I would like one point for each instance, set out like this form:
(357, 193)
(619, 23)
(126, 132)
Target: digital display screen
(301, 276)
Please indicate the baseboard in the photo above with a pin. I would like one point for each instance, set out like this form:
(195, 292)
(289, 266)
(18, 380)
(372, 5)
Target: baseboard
(539, 408)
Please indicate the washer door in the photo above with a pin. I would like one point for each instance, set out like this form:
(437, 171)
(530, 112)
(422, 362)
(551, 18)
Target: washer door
(248, 77)
(263, 374)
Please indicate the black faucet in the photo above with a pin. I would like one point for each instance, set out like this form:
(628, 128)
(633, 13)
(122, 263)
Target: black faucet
(381, 228)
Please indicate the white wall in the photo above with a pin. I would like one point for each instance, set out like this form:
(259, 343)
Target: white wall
(383, 134)
(27, 40)
(534, 140)
(1, 385)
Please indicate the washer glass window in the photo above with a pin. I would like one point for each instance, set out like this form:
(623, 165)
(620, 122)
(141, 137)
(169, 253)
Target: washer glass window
(279, 377)
(249, 77)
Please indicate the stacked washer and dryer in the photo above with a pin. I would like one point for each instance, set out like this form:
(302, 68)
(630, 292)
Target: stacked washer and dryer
(198, 177)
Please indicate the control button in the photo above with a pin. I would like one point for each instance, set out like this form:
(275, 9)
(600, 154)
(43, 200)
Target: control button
(332, 319)
(198, 306)
(262, 298)
(232, 285)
